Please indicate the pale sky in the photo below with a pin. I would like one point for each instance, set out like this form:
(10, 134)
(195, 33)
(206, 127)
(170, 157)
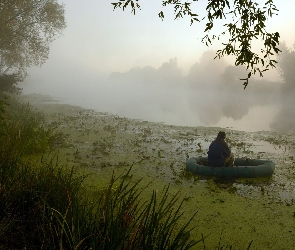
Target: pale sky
(99, 38)
(99, 41)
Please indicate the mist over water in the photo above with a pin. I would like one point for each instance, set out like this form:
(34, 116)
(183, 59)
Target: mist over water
(211, 94)
(285, 118)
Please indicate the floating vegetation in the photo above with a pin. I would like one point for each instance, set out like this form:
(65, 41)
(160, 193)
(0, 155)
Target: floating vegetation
(109, 143)
(199, 150)
(127, 140)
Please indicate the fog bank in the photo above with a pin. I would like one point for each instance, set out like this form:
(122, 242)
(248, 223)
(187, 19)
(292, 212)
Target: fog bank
(211, 94)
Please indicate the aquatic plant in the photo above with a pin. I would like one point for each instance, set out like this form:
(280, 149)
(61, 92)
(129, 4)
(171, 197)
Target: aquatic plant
(28, 195)
(199, 150)
(104, 218)
(23, 131)
(45, 206)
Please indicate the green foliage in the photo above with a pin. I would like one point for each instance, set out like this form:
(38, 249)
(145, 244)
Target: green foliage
(248, 24)
(46, 207)
(23, 131)
(8, 83)
(26, 30)
(28, 195)
(2, 113)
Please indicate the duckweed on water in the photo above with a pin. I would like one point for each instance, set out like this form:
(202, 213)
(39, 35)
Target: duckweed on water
(47, 205)
(239, 210)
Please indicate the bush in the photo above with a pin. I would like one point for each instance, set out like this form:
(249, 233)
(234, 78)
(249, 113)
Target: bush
(28, 195)
(45, 207)
(23, 131)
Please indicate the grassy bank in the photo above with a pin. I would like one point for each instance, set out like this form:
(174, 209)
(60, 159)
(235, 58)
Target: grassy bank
(228, 215)
(46, 205)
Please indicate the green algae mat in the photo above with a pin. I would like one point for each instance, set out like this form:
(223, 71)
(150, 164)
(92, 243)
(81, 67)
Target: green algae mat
(229, 212)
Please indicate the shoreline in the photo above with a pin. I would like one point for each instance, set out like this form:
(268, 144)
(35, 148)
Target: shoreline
(101, 143)
(250, 122)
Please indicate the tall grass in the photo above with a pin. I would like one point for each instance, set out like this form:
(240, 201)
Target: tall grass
(46, 206)
(27, 196)
(23, 130)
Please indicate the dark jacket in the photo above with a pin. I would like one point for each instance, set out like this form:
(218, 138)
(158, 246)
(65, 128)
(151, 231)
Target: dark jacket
(218, 152)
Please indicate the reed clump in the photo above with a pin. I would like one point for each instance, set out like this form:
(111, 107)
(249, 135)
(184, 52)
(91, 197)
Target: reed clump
(44, 206)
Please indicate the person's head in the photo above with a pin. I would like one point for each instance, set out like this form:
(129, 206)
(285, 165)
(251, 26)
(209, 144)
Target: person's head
(221, 135)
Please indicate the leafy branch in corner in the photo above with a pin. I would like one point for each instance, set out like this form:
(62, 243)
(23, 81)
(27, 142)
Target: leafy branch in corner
(248, 23)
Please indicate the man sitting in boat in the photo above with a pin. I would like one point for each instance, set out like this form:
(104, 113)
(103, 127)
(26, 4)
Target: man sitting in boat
(219, 154)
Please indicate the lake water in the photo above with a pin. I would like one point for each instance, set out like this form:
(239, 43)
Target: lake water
(172, 106)
(258, 209)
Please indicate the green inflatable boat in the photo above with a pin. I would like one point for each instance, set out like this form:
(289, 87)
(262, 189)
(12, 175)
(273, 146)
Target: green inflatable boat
(243, 168)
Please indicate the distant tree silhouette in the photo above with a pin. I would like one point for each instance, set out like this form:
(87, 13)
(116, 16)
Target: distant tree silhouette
(285, 119)
(247, 23)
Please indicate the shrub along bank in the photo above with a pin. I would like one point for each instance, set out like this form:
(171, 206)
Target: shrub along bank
(44, 206)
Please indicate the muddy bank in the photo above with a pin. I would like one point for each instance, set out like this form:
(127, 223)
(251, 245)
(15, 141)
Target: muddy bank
(238, 212)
